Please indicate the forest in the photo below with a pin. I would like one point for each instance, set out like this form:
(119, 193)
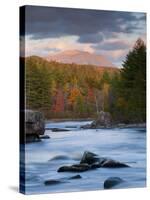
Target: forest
(73, 91)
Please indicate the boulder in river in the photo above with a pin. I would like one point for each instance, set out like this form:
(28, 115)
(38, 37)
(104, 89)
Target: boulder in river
(78, 176)
(71, 127)
(74, 168)
(32, 138)
(44, 137)
(59, 157)
(52, 182)
(34, 125)
(96, 162)
(96, 165)
(34, 121)
(112, 181)
(108, 163)
(90, 161)
(58, 129)
(104, 120)
(89, 158)
(61, 180)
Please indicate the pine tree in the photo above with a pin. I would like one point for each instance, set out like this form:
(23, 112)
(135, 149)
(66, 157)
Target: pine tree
(133, 78)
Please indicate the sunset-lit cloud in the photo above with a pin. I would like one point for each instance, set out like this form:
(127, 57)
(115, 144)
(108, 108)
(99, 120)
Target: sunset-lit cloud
(46, 46)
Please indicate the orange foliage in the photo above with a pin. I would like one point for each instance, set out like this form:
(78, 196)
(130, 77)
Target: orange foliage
(74, 93)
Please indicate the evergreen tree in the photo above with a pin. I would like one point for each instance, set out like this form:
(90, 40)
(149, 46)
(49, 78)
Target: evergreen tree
(133, 82)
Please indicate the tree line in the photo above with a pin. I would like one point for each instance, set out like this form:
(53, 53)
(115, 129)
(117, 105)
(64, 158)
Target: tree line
(82, 91)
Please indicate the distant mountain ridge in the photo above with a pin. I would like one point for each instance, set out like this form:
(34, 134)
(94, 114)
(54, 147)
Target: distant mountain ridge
(80, 57)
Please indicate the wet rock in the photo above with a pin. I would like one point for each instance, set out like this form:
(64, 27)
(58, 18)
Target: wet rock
(34, 126)
(32, 138)
(96, 165)
(94, 161)
(45, 137)
(71, 127)
(52, 182)
(112, 181)
(89, 158)
(58, 129)
(61, 180)
(34, 122)
(90, 161)
(107, 163)
(74, 168)
(59, 157)
(86, 126)
(76, 177)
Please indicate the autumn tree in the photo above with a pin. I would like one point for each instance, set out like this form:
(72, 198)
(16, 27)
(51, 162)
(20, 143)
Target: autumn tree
(58, 105)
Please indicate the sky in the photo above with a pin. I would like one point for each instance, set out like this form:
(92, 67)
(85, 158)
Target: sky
(49, 30)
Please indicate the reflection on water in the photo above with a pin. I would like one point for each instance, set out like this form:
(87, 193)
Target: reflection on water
(64, 148)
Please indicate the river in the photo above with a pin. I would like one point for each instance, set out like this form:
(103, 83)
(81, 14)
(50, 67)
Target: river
(43, 158)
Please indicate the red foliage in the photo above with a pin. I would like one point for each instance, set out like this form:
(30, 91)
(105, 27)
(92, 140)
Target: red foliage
(58, 105)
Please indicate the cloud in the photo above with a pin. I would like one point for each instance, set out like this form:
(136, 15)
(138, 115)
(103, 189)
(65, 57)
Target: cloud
(112, 45)
(91, 38)
(43, 47)
(45, 22)
(111, 33)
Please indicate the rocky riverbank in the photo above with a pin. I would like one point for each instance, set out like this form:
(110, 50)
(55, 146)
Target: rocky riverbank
(105, 120)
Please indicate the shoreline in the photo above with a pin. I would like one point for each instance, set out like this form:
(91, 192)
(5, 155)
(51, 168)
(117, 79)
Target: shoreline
(68, 119)
(87, 126)
(119, 125)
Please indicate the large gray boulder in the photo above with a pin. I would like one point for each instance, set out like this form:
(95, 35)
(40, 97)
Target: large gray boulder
(34, 122)
(34, 126)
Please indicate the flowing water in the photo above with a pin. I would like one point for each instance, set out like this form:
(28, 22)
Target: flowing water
(43, 158)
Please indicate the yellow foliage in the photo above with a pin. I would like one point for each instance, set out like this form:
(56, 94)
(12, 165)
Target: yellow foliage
(75, 92)
(106, 87)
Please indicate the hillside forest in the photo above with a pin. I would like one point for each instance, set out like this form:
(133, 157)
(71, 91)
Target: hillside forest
(74, 91)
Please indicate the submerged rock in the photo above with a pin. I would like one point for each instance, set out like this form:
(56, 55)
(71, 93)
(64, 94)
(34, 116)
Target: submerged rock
(74, 168)
(58, 129)
(59, 157)
(61, 180)
(76, 177)
(112, 181)
(52, 182)
(70, 126)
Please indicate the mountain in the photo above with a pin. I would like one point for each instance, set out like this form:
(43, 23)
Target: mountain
(80, 57)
